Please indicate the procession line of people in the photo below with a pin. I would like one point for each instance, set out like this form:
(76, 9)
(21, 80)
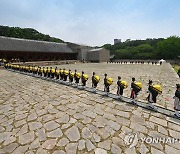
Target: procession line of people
(67, 75)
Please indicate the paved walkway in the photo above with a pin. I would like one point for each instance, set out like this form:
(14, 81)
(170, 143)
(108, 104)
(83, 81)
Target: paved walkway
(160, 74)
(37, 116)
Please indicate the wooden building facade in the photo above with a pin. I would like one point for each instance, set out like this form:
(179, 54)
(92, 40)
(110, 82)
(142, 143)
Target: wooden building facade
(30, 50)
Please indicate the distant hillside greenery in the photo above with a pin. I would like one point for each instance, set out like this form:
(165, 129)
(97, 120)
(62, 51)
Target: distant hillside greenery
(146, 49)
(26, 33)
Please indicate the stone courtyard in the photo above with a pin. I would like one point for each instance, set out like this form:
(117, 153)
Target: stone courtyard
(163, 75)
(37, 116)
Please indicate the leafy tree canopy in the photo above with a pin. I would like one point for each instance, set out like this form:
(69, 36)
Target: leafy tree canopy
(169, 48)
(26, 33)
(146, 49)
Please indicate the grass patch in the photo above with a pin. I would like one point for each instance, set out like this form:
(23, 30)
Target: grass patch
(176, 67)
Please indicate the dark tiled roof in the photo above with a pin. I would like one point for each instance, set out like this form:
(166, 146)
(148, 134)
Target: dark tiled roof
(15, 44)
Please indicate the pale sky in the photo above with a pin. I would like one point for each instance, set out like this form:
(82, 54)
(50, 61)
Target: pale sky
(94, 22)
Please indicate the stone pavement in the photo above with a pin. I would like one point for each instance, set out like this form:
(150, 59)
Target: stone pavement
(38, 116)
(160, 74)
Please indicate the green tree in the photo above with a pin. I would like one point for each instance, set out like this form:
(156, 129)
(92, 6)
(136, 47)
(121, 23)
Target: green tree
(124, 54)
(26, 33)
(144, 48)
(169, 48)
